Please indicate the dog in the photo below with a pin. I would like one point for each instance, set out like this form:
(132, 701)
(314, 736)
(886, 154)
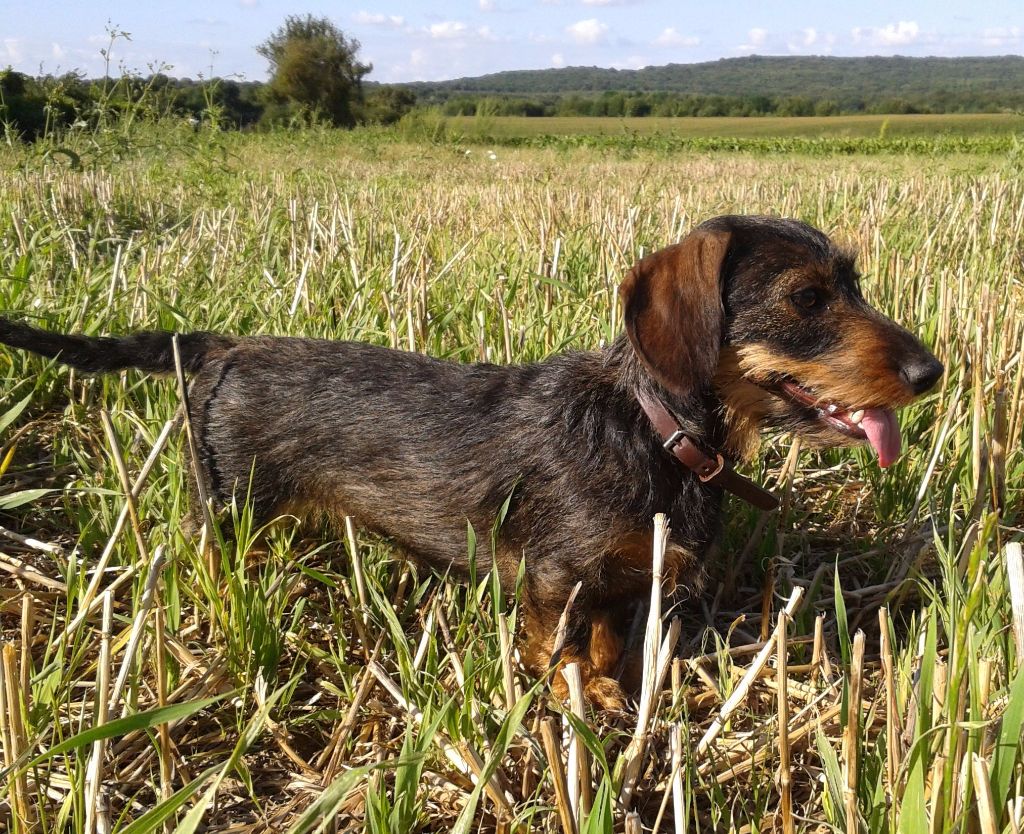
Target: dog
(750, 323)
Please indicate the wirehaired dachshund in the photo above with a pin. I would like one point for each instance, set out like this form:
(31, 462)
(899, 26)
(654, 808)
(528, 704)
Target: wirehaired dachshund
(750, 323)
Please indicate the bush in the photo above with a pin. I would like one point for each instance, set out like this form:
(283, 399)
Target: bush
(386, 105)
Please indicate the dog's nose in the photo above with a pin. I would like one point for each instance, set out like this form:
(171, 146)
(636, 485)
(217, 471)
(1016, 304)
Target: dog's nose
(921, 373)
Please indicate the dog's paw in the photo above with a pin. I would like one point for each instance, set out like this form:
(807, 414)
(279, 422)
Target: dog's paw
(605, 693)
(601, 691)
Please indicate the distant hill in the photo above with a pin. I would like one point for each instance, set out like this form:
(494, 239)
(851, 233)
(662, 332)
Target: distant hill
(844, 80)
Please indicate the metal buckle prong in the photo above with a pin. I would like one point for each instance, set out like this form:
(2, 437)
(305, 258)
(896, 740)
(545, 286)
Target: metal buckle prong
(673, 440)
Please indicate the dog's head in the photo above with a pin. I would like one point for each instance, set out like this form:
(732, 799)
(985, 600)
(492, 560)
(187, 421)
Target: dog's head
(768, 315)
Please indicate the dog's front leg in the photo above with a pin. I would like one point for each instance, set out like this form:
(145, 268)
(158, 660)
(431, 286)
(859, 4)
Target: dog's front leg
(591, 640)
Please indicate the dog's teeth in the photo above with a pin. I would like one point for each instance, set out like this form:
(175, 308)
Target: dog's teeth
(857, 416)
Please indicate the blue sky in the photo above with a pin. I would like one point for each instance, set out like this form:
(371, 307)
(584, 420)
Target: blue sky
(409, 41)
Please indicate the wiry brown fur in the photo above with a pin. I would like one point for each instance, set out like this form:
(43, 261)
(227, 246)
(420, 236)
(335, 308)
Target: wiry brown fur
(413, 447)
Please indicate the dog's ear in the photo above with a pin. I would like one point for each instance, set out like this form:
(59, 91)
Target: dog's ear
(672, 303)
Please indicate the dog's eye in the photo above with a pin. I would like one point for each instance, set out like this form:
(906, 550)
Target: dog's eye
(809, 298)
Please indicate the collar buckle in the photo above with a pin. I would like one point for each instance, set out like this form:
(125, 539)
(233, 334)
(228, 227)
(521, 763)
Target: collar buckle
(715, 470)
(674, 440)
(711, 469)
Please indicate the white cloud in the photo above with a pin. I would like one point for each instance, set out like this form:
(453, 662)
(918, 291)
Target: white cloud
(1003, 36)
(672, 37)
(458, 33)
(893, 34)
(607, 2)
(756, 39)
(488, 5)
(905, 31)
(12, 50)
(391, 21)
(811, 40)
(57, 51)
(248, 4)
(587, 31)
(448, 29)
(414, 68)
(558, 60)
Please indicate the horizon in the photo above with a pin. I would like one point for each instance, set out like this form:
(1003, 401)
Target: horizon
(407, 43)
(369, 79)
(712, 61)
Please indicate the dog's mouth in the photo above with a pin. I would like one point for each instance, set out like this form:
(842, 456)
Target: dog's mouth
(878, 426)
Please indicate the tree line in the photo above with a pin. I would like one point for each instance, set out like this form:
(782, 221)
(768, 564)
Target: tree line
(817, 77)
(634, 104)
(748, 86)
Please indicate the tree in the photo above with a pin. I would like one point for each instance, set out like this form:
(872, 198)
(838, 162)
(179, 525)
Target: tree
(23, 104)
(314, 65)
(386, 105)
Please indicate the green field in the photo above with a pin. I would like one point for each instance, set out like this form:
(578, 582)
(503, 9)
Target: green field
(811, 127)
(315, 681)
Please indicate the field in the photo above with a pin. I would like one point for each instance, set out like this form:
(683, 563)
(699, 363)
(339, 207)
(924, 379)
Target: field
(853, 664)
(810, 127)
(932, 136)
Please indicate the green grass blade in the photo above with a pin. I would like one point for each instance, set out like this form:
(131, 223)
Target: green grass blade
(12, 413)
(253, 728)
(324, 809)
(509, 728)
(601, 819)
(154, 818)
(21, 497)
(1007, 755)
(130, 723)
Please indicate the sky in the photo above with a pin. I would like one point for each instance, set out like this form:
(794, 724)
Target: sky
(409, 41)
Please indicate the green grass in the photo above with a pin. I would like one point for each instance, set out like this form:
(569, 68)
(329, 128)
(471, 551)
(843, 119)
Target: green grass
(912, 136)
(311, 676)
(810, 127)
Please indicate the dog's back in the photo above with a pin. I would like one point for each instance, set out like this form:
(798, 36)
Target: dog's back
(410, 446)
(351, 429)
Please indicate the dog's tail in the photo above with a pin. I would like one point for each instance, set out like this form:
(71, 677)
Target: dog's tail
(151, 351)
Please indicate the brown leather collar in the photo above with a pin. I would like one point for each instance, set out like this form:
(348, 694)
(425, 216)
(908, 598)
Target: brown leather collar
(711, 470)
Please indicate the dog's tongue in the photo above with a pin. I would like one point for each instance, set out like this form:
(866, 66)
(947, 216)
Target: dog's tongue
(883, 433)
